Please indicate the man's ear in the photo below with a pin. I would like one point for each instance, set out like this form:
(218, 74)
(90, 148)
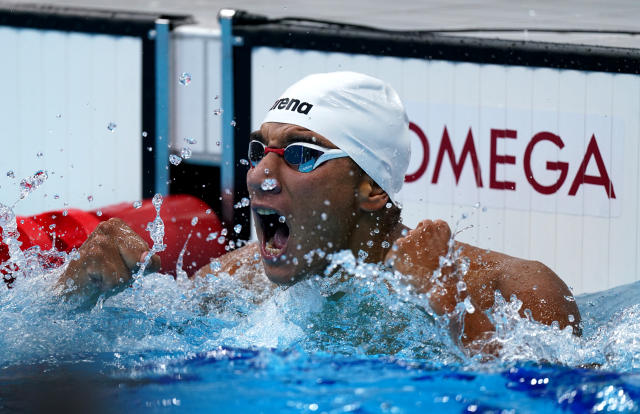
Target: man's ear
(370, 196)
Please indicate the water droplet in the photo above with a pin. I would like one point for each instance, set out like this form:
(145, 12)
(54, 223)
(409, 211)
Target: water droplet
(111, 126)
(217, 111)
(484, 209)
(323, 216)
(237, 228)
(56, 196)
(245, 202)
(191, 141)
(185, 78)
(11, 174)
(58, 116)
(194, 221)
(217, 143)
(224, 232)
(266, 171)
(464, 216)
(362, 255)
(90, 198)
(211, 236)
(30, 184)
(64, 213)
(571, 318)
(144, 134)
(137, 204)
(39, 154)
(370, 243)
(174, 159)
(385, 244)
(186, 153)
(461, 286)
(221, 240)
(52, 226)
(404, 232)
(99, 213)
(388, 205)
(569, 298)
(233, 123)
(216, 266)
(216, 97)
(468, 306)
(244, 162)
(269, 184)
(476, 205)
(282, 219)
(149, 149)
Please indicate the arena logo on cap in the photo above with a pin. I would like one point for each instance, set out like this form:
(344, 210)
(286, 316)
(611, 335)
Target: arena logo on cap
(292, 104)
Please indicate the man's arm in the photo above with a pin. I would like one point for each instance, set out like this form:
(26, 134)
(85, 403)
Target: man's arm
(540, 290)
(110, 256)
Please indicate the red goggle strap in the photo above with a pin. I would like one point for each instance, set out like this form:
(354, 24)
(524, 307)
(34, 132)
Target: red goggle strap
(279, 151)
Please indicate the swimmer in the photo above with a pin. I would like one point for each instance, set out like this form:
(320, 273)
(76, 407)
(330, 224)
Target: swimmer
(326, 166)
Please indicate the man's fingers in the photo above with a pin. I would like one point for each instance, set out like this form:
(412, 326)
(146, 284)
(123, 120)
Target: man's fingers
(130, 245)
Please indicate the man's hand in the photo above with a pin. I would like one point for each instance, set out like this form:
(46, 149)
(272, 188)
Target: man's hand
(418, 253)
(108, 258)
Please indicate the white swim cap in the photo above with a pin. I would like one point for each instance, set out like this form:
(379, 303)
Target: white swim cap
(361, 115)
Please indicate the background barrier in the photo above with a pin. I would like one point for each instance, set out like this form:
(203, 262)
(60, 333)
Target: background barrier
(528, 148)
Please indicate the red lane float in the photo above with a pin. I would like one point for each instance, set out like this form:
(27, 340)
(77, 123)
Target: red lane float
(178, 212)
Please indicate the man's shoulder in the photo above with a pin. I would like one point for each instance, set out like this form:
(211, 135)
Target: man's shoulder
(247, 255)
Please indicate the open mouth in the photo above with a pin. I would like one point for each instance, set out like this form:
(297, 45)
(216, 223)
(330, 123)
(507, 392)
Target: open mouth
(275, 232)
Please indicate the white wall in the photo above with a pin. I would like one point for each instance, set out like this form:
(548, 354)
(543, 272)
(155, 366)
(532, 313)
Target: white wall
(197, 51)
(589, 239)
(59, 91)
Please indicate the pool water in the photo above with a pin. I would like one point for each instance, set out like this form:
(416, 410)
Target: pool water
(362, 343)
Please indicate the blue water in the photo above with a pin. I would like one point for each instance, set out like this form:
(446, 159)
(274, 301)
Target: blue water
(355, 342)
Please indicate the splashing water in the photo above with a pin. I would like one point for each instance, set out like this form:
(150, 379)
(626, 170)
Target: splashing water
(174, 159)
(156, 232)
(184, 78)
(180, 273)
(30, 184)
(269, 184)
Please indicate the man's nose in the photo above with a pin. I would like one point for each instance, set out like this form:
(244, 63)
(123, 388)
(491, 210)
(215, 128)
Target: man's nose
(265, 178)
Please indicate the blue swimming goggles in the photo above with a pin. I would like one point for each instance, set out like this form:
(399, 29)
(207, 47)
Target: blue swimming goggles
(301, 156)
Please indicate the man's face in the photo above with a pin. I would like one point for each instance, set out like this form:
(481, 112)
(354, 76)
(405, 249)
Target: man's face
(296, 213)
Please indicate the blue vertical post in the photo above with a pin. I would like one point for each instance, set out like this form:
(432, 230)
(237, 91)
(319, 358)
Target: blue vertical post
(162, 138)
(227, 166)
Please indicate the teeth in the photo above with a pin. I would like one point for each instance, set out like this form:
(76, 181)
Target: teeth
(265, 211)
(271, 249)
